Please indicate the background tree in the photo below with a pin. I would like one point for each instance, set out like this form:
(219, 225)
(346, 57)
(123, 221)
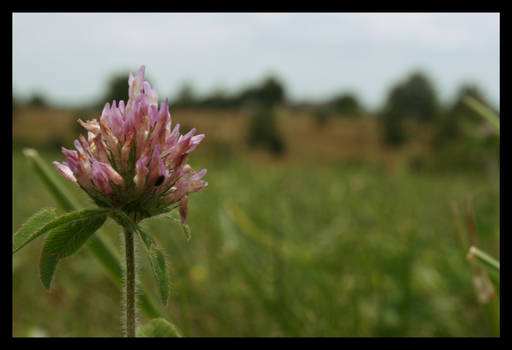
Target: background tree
(269, 93)
(37, 100)
(415, 99)
(458, 118)
(218, 99)
(186, 96)
(347, 105)
(263, 131)
(460, 109)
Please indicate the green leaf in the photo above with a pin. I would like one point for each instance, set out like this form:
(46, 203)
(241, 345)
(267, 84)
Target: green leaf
(158, 328)
(158, 263)
(35, 223)
(65, 240)
(61, 220)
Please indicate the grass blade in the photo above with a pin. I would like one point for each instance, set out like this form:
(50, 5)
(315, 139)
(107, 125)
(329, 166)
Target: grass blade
(484, 112)
(59, 192)
(35, 223)
(484, 260)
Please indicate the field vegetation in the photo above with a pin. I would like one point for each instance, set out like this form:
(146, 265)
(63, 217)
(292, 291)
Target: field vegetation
(337, 233)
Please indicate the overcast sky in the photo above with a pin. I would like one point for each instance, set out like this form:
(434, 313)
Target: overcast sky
(69, 57)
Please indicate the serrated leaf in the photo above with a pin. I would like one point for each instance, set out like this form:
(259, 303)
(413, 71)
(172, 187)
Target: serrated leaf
(61, 220)
(156, 257)
(35, 223)
(65, 240)
(158, 328)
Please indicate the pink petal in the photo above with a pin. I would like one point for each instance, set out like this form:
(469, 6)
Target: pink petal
(65, 171)
(140, 172)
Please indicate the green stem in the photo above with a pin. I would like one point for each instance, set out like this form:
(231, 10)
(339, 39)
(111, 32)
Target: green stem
(130, 284)
(483, 258)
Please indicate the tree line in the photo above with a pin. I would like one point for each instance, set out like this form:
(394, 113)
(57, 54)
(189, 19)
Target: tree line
(414, 99)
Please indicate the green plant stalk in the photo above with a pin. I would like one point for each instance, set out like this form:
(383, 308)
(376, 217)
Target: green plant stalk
(483, 259)
(98, 246)
(461, 231)
(130, 310)
(484, 111)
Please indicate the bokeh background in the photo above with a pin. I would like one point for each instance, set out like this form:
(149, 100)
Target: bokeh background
(347, 176)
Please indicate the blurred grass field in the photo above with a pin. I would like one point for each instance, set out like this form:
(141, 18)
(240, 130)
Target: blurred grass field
(331, 239)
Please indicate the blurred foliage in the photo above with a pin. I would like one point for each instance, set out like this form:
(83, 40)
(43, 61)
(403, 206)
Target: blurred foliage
(37, 100)
(186, 97)
(263, 131)
(312, 247)
(460, 109)
(463, 138)
(415, 100)
(218, 99)
(455, 120)
(15, 105)
(347, 105)
(269, 92)
(321, 116)
(283, 250)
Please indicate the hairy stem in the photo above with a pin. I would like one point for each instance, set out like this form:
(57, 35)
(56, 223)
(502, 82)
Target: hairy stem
(130, 284)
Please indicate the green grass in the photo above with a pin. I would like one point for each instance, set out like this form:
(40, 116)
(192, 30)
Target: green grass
(282, 250)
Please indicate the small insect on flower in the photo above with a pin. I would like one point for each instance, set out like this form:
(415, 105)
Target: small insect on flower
(132, 159)
(159, 180)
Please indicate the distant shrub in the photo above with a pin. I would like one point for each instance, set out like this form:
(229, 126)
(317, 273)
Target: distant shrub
(269, 93)
(393, 129)
(15, 105)
(461, 109)
(455, 122)
(321, 117)
(414, 99)
(37, 100)
(347, 105)
(218, 99)
(263, 131)
(185, 97)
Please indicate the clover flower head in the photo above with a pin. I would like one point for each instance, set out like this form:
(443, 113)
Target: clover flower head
(132, 159)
